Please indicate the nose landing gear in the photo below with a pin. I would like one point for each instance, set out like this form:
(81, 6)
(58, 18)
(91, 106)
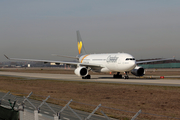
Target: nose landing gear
(126, 75)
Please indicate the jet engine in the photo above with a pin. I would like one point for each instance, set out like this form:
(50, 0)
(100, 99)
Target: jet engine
(81, 71)
(138, 71)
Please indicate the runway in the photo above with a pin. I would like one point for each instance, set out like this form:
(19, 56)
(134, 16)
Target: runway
(99, 78)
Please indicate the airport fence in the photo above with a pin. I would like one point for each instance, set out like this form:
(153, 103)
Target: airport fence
(37, 107)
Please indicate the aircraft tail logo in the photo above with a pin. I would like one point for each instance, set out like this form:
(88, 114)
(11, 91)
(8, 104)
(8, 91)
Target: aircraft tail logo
(80, 45)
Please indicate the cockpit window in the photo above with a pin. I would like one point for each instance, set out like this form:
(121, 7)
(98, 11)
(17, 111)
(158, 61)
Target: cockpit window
(130, 58)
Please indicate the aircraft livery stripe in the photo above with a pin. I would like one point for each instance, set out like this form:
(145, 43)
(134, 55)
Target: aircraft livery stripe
(83, 58)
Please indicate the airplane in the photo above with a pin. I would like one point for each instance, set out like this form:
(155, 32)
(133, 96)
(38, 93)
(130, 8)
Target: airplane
(105, 62)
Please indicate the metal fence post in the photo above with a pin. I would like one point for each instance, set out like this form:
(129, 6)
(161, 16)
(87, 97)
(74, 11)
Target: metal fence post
(93, 111)
(74, 112)
(36, 115)
(44, 101)
(26, 98)
(59, 113)
(105, 115)
(135, 116)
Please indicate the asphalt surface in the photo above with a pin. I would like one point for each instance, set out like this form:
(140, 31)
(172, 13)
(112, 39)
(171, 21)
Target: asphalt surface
(155, 80)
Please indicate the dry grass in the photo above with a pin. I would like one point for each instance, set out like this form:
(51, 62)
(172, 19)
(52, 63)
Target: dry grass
(150, 99)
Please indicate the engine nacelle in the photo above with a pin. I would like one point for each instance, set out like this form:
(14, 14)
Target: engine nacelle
(81, 71)
(138, 71)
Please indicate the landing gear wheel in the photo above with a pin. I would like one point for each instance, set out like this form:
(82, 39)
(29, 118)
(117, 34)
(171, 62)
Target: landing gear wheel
(126, 77)
(87, 77)
(117, 75)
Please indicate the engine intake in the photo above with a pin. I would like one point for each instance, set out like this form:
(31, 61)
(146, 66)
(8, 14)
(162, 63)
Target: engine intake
(81, 71)
(138, 71)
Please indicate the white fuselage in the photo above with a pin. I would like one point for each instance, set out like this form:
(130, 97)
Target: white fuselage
(111, 62)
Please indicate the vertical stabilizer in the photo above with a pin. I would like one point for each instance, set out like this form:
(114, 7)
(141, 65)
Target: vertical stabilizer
(81, 49)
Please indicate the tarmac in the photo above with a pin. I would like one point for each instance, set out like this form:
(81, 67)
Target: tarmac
(154, 80)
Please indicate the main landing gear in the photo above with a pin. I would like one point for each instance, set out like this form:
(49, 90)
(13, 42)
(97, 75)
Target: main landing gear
(87, 77)
(118, 75)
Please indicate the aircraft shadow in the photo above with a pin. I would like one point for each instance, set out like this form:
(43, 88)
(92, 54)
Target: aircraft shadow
(125, 79)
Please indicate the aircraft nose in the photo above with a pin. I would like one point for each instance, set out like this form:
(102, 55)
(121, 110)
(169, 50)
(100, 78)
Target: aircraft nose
(133, 64)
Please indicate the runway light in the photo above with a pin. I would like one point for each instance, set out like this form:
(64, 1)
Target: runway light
(162, 77)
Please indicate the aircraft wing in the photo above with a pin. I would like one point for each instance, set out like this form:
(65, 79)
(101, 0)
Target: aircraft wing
(65, 56)
(138, 62)
(57, 62)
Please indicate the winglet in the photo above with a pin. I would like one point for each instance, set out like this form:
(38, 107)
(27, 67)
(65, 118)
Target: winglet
(6, 56)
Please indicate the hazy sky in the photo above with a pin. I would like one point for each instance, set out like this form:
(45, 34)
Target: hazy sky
(39, 28)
